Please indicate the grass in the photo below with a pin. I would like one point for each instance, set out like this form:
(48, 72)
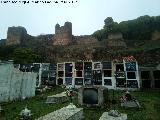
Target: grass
(36, 104)
(149, 100)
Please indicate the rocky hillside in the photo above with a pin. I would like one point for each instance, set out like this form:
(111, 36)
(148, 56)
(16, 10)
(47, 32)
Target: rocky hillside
(111, 45)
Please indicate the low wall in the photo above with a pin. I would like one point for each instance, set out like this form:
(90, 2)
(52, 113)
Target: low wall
(15, 84)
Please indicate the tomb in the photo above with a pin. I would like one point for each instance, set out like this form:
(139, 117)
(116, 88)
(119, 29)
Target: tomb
(119, 67)
(131, 72)
(97, 77)
(46, 72)
(79, 77)
(36, 67)
(97, 73)
(60, 74)
(52, 74)
(26, 67)
(145, 75)
(78, 81)
(68, 73)
(150, 77)
(64, 73)
(87, 73)
(120, 75)
(156, 75)
(91, 96)
(107, 73)
(107, 79)
(60, 81)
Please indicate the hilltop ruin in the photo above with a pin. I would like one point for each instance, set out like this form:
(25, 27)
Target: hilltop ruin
(63, 36)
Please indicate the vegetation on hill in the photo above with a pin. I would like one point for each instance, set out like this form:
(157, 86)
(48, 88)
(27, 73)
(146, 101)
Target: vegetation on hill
(137, 29)
(19, 54)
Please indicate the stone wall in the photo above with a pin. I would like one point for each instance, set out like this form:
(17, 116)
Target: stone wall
(46, 39)
(115, 40)
(116, 43)
(16, 35)
(15, 84)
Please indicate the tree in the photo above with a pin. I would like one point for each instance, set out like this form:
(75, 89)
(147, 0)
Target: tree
(100, 34)
(110, 26)
(25, 55)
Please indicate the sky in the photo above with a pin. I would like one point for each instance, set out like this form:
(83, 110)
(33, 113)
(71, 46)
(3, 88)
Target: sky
(86, 16)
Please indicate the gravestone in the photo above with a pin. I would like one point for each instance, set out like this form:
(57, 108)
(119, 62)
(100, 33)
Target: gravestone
(91, 96)
(65, 113)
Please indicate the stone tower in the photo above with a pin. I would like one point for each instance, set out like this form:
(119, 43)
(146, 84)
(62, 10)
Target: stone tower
(15, 35)
(63, 34)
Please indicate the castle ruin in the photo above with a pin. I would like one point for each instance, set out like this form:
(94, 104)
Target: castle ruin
(63, 34)
(16, 35)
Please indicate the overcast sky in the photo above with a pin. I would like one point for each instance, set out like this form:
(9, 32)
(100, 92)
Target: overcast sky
(86, 16)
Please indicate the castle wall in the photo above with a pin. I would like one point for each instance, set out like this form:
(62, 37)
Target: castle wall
(116, 43)
(86, 39)
(115, 40)
(63, 36)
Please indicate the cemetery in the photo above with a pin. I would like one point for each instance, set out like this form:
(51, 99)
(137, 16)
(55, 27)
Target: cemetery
(83, 90)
